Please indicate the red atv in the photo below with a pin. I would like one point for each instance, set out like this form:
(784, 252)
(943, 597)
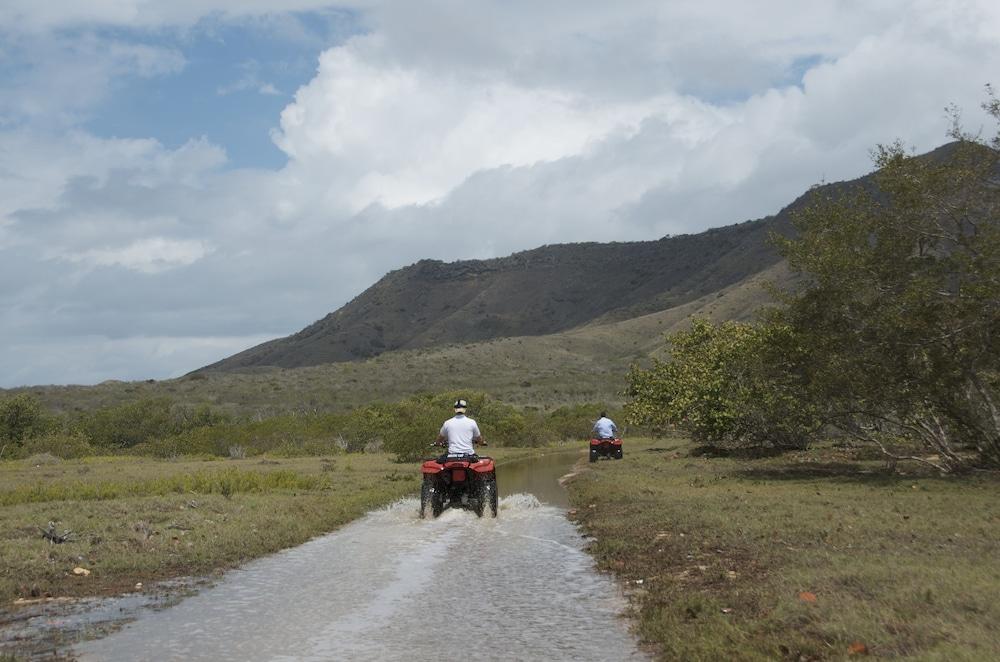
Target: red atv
(459, 481)
(607, 448)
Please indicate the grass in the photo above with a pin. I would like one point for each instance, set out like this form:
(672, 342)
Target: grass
(141, 520)
(811, 556)
(226, 482)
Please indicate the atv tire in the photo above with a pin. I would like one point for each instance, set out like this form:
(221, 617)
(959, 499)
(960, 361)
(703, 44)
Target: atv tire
(618, 454)
(593, 456)
(489, 496)
(482, 494)
(437, 503)
(426, 498)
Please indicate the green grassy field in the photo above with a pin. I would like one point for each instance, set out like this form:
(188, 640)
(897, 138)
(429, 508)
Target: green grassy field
(141, 520)
(811, 556)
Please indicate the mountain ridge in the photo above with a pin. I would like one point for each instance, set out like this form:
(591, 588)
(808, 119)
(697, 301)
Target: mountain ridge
(545, 290)
(540, 291)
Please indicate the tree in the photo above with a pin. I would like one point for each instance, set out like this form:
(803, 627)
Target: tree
(901, 310)
(129, 424)
(728, 385)
(20, 417)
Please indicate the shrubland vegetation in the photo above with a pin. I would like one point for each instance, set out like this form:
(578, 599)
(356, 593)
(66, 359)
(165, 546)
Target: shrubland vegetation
(893, 339)
(160, 428)
(547, 372)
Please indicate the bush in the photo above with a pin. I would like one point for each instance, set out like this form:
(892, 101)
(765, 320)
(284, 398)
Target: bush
(60, 444)
(20, 418)
(412, 425)
(734, 385)
(127, 425)
(573, 422)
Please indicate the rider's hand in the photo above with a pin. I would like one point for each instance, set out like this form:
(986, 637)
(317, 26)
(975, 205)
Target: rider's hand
(482, 442)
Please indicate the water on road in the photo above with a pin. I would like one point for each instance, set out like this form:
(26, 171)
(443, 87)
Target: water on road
(391, 586)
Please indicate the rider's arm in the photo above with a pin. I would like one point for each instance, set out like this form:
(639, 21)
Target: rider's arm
(478, 439)
(440, 441)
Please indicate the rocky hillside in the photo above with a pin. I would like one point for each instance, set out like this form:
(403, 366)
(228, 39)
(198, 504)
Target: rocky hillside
(538, 292)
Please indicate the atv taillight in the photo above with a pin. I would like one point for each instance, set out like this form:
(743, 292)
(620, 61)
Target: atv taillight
(458, 474)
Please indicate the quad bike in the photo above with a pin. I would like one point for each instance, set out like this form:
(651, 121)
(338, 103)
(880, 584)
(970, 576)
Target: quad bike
(606, 448)
(459, 481)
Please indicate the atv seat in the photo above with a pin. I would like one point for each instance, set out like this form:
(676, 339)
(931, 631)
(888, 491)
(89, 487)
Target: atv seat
(451, 458)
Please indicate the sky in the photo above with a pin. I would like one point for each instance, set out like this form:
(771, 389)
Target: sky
(182, 180)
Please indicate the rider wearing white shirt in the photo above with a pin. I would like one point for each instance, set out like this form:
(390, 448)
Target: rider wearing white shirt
(460, 432)
(605, 428)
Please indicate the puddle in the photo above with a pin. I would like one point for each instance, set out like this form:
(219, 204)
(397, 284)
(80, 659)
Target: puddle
(44, 630)
(539, 477)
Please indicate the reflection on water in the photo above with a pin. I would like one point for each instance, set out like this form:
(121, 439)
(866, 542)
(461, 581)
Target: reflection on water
(538, 477)
(392, 587)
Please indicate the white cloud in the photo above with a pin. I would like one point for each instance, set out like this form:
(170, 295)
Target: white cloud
(409, 137)
(38, 168)
(150, 256)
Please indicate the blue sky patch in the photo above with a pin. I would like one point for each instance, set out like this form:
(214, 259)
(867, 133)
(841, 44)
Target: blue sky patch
(237, 79)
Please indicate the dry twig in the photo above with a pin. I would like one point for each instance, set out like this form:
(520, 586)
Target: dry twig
(49, 533)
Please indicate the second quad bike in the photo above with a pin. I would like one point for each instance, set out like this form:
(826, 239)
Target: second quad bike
(606, 448)
(459, 481)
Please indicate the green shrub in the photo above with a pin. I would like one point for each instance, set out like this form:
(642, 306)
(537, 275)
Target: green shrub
(143, 421)
(61, 444)
(20, 418)
(126, 425)
(413, 425)
(729, 385)
(307, 447)
(574, 421)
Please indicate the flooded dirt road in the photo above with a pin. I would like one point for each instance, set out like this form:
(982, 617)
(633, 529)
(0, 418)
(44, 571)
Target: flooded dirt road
(394, 587)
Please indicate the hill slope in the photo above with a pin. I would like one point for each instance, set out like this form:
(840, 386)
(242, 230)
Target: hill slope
(538, 292)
